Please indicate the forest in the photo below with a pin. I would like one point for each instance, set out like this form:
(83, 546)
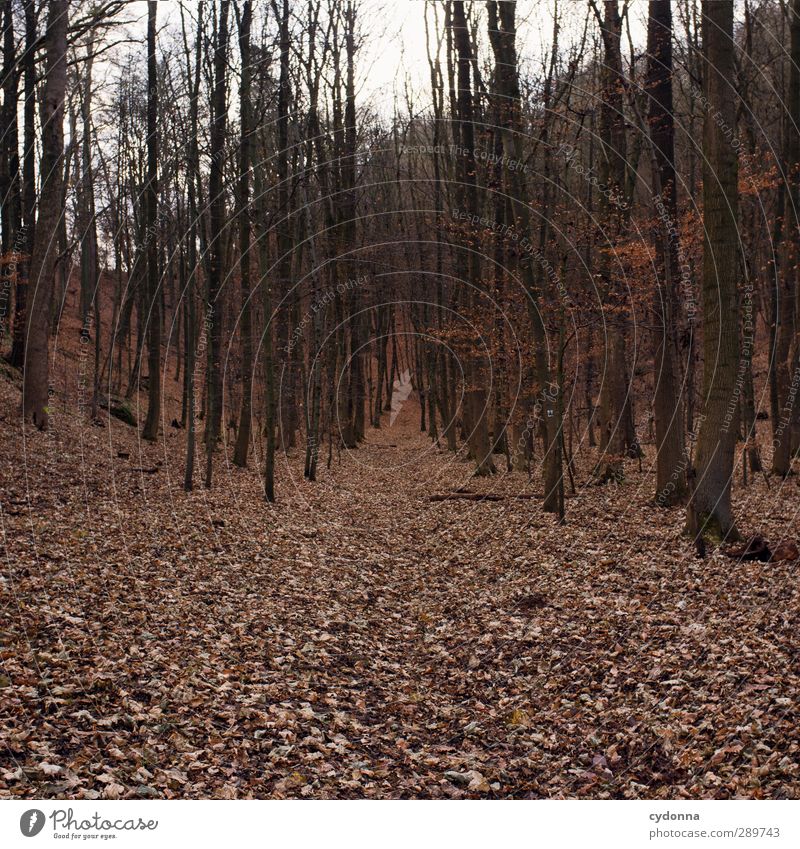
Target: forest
(400, 399)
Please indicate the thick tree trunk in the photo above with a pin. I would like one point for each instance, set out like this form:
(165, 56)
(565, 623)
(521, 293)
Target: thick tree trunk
(35, 392)
(710, 512)
(17, 357)
(786, 318)
(669, 414)
(617, 433)
(476, 369)
(10, 189)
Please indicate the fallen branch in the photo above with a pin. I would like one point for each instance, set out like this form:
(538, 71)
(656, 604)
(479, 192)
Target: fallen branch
(467, 496)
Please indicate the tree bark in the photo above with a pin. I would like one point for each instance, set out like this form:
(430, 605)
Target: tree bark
(193, 83)
(785, 314)
(216, 201)
(245, 414)
(617, 433)
(543, 415)
(10, 190)
(476, 394)
(17, 357)
(150, 431)
(669, 414)
(35, 392)
(710, 512)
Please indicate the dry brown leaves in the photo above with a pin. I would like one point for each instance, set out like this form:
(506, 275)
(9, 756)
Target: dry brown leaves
(357, 640)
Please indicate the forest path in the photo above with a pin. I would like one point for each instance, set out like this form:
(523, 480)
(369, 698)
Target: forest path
(355, 639)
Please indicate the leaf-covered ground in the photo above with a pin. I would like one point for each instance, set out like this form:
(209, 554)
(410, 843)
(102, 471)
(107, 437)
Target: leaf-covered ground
(356, 639)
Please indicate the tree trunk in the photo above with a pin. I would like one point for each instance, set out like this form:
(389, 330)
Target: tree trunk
(542, 416)
(476, 395)
(153, 318)
(267, 336)
(245, 414)
(10, 191)
(216, 194)
(193, 83)
(669, 414)
(785, 316)
(617, 433)
(17, 357)
(35, 392)
(710, 512)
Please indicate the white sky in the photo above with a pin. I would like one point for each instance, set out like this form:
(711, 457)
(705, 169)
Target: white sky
(394, 50)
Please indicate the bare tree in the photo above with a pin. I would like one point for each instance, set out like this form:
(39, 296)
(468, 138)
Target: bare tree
(35, 393)
(216, 192)
(669, 414)
(710, 512)
(245, 414)
(152, 422)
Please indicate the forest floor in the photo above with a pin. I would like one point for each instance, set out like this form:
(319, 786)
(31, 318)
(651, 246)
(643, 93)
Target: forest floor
(355, 639)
